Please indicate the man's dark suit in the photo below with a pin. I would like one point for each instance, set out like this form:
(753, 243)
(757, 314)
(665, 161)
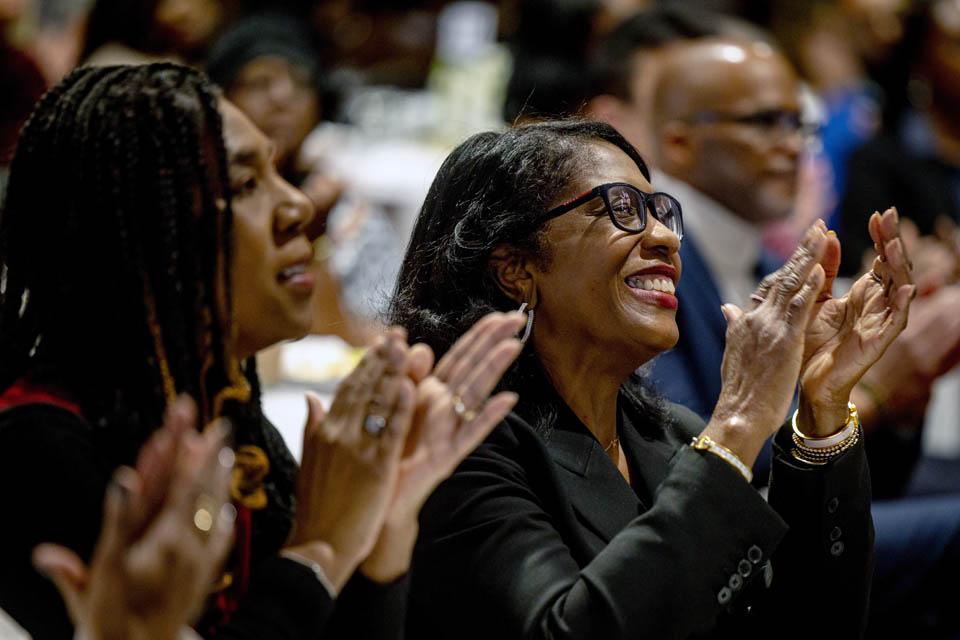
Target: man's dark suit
(537, 537)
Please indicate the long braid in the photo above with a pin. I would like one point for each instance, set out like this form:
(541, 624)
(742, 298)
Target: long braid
(141, 218)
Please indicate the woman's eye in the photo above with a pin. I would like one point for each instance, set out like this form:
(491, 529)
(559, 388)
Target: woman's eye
(246, 186)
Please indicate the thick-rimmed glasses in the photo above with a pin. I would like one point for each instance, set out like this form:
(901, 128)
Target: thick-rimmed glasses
(627, 207)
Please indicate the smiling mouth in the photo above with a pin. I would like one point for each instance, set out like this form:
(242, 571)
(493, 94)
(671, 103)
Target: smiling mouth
(651, 283)
(292, 272)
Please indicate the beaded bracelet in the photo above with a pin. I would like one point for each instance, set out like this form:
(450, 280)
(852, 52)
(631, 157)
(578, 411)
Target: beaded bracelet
(822, 450)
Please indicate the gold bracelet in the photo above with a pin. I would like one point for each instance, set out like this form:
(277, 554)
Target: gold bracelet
(706, 443)
(844, 433)
(832, 452)
(823, 456)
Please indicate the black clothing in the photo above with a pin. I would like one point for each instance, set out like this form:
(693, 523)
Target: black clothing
(55, 475)
(533, 538)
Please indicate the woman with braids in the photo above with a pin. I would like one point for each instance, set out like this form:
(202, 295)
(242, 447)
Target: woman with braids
(596, 510)
(169, 253)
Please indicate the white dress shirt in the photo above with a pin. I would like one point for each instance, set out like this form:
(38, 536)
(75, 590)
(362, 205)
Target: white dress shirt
(729, 244)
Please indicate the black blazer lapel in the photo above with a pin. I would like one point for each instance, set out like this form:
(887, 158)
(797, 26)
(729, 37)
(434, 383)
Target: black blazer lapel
(589, 478)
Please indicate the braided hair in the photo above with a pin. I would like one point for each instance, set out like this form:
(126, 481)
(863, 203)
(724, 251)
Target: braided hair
(115, 258)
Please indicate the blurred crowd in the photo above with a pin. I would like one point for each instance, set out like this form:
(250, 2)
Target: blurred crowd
(859, 111)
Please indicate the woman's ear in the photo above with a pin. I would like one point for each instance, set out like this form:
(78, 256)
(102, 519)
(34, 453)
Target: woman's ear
(514, 273)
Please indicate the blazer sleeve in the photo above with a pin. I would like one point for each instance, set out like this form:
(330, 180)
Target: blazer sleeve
(823, 568)
(492, 563)
(370, 610)
(285, 602)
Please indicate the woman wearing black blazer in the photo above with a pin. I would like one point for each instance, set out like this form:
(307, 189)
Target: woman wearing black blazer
(597, 510)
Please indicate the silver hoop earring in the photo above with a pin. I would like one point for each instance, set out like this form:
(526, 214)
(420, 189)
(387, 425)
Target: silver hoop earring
(529, 328)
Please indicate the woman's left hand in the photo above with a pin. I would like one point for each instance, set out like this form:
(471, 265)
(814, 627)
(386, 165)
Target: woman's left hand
(847, 335)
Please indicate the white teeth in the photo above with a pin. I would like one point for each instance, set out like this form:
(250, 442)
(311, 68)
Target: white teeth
(290, 272)
(664, 285)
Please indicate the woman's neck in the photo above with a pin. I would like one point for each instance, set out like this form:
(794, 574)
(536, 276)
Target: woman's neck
(587, 384)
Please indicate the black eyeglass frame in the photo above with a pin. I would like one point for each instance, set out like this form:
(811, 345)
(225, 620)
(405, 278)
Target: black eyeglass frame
(602, 191)
(768, 119)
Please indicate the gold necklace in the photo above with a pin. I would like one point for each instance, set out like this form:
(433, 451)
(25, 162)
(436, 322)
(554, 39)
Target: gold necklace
(613, 443)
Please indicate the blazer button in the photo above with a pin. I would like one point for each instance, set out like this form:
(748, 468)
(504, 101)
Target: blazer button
(832, 505)
(755, 554)
(835, 534)
(724, 596)
(744, 568)
(736, 582)
(836, 549)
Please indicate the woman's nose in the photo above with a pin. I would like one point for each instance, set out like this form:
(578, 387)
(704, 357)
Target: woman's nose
(294, 212)
(659, 238)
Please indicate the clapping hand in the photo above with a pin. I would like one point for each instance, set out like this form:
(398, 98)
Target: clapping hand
(847, 335)
(453, 415)
(166, 530)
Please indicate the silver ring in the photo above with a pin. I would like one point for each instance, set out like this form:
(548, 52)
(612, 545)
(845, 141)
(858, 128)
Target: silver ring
(374, 425)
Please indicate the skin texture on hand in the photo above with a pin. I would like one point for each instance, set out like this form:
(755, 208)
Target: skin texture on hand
(764, 351)
(439, 439)
(153, 567)
(347, 475)
(847, 335)
(359, 495)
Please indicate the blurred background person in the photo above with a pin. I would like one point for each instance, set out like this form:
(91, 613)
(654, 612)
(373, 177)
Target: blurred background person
(21, 82)
(914, 162)
(139, 31)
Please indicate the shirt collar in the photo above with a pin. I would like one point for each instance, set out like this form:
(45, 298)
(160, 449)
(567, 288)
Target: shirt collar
(728, 243)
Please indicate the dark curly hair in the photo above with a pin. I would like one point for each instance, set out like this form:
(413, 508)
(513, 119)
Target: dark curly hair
(493, 190)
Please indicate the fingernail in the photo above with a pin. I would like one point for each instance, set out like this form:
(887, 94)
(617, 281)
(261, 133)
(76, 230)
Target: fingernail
(831, 232)
(42, 570)
(118, 489)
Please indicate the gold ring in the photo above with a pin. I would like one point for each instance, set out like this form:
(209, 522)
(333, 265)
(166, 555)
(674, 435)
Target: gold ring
(203, 515)
(876, 277)
(459, 408)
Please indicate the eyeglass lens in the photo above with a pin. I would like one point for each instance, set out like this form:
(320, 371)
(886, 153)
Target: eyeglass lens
(627, 205)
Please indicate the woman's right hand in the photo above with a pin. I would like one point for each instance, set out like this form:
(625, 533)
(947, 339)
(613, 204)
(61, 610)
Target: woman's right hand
(349, 467)
(764, 351)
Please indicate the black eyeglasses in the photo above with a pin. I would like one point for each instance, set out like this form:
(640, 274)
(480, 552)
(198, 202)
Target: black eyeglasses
(627, 207)
(779, 120)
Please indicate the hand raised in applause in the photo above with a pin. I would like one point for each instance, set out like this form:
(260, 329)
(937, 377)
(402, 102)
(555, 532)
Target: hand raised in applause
(453, 415)
(764, 351)
(166, 530)
(848, 334)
